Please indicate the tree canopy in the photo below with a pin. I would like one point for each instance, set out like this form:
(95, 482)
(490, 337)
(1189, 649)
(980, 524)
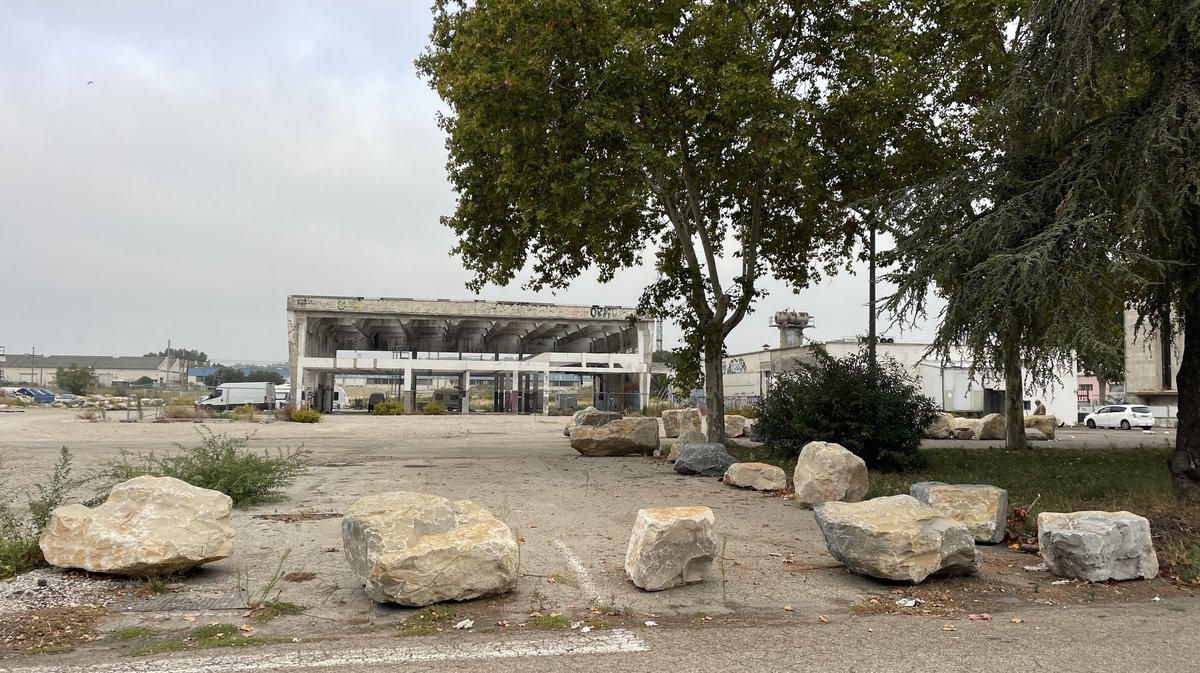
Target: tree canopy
(581, 134)
(187, 354)
(75, 379)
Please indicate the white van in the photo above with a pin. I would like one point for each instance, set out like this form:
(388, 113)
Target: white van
(229, 395)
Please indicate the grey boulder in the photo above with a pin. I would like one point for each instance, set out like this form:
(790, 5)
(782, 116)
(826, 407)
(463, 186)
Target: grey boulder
(1097, 546)
(897, 538)
(706, 458)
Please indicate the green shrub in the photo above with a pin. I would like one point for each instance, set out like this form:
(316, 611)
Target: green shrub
(19, 533)
(434, 409)
(879, 415)
(388, 408)
(220, 463)
(305, 415)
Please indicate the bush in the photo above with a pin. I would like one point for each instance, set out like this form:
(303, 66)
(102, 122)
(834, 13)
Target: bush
(388, 408)
(746, 412)
(19, 534)
(434, 409)
(880, 415)
(219, 463)
(305, 415)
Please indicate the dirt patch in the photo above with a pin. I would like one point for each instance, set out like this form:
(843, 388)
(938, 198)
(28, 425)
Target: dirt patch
(1004, 587)
(49, 628)
(296, 517)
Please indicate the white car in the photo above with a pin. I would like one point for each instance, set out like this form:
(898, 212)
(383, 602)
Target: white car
(1123, 416)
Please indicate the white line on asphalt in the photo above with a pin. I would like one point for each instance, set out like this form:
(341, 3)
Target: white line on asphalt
(612, 642)
(585, 579)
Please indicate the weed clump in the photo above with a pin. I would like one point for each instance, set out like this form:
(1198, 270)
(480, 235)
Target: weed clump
(434, 409)
(19, 532)
(220, 463)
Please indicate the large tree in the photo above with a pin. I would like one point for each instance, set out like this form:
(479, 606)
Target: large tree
(1094, 193)
(1117, 85)
(582, 132)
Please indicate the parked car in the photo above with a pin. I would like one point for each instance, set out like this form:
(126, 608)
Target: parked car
(1123, 416)
(38, 395)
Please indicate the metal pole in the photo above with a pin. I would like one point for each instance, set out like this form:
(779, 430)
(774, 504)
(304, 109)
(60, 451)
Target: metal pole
(871, 336)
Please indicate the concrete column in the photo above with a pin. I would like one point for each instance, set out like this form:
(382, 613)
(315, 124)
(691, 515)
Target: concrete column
(546, 393)
(644, 388)
(409, 398)
(464, 387)
(297, 349)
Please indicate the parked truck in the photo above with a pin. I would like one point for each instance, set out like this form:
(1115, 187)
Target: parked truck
(226, 396)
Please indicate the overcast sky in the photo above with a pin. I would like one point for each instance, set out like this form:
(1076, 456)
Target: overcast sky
(173, 170)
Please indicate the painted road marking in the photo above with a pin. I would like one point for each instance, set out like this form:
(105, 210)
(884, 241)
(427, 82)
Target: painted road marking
(585, 579)
(616, 641)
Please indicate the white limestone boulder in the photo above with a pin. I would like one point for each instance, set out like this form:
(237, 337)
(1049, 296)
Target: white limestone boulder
(147, 526)
(670, 546)
(941, 427)
(828, 471)
(708, 459)
(992, 427)
(1097, 546)
(676, 421)
(590, 416)
(735, 426)
(1043, 424)
(967, 428)
(1034, 435)
(758, 476)
(417, 549)
(632, 436)
(897, 538)
(983, 508)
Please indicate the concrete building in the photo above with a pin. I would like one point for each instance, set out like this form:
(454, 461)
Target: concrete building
(40, 369)
(518, 346)
(748, 376)
(1151, 366)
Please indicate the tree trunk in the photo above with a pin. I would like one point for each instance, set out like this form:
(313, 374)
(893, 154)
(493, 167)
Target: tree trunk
(1184, 461)
(714, 390)
(1101, 391)
(1014, 396)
